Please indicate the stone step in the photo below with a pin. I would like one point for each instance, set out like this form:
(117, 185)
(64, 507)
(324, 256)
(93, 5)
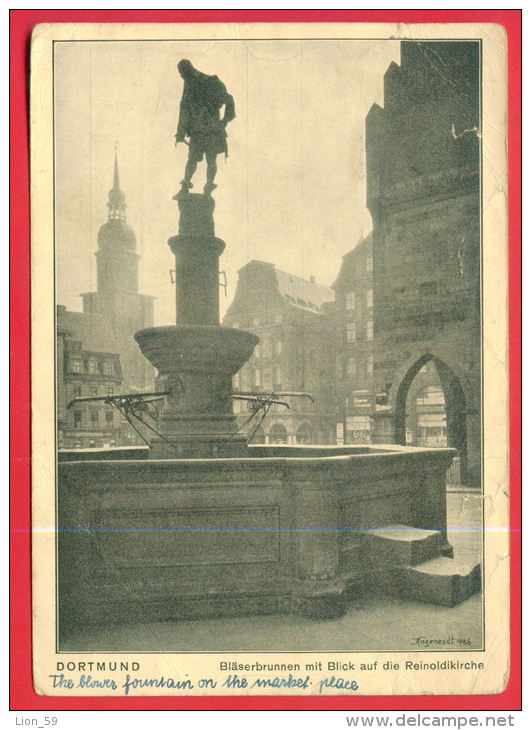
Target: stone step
(442, 581)
(396, 545)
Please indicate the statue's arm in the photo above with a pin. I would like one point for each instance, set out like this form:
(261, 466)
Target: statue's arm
(184, 116)
(230, 111)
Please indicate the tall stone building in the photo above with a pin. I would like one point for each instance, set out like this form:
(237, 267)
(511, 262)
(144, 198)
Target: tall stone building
(116, 310)
(295, 352)
(353, 317)
(423, 158)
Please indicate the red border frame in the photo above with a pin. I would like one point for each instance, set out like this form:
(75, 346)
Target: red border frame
(22, 695)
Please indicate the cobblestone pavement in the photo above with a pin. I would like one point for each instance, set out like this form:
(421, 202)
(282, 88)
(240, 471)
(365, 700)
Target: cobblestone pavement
(371, 623)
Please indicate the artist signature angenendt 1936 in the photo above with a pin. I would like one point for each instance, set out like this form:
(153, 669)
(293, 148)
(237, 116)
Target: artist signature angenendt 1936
(451, 640)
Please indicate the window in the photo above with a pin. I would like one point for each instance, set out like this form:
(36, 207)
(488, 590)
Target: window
(351, 331)
(369, 298)
(75, 366)
(93, 390)
(76, 391)
(236, 381)
(257, 378)
(110, 390)
(257, 351)
(278, 317)
(350, 300)
(351, 366)
(94, 416)
(369, 262)
(78, 419)
(92, 367)
(432, 429)
(369, 328)
(108, 417)
(108, 367)
(278, 347)
(278, 378)
(370, 365)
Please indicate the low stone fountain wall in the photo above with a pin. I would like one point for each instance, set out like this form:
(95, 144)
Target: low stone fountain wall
(282, 530)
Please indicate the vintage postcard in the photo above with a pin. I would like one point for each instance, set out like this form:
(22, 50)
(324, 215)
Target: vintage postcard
(269, 359)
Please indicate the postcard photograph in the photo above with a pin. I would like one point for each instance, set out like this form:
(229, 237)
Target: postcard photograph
(269, 364)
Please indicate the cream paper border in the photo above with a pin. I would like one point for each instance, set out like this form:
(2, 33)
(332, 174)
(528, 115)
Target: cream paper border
(493, 678)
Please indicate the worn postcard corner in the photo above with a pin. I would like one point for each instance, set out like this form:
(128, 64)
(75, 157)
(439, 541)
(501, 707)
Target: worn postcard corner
(269, 385)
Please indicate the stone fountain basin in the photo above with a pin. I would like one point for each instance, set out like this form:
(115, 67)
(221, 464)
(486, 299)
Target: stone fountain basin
(196, 348)
(277, 531)
(199, 362)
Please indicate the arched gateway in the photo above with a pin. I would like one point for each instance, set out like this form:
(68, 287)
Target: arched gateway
(454, 398)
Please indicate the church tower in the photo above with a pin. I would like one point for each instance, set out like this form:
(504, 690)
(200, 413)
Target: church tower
(118, 310)
(117, 261)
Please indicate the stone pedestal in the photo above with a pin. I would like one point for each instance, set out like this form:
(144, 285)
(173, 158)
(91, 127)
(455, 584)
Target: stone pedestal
(197, 251)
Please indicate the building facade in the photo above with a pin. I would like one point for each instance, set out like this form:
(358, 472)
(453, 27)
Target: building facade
(423, 154)
(85, 373)
(295, 352)
(353, 325)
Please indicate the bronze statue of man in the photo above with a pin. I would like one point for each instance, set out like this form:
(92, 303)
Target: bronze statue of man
(199, 120)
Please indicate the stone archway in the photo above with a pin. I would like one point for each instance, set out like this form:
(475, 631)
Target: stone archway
(304, 434)
(455, 405)
(278, 434)
(259, 436)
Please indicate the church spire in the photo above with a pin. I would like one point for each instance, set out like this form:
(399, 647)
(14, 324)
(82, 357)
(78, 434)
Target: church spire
(116, 204)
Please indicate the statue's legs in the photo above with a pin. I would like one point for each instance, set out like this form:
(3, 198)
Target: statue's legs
(191, 167)
(212, 169)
